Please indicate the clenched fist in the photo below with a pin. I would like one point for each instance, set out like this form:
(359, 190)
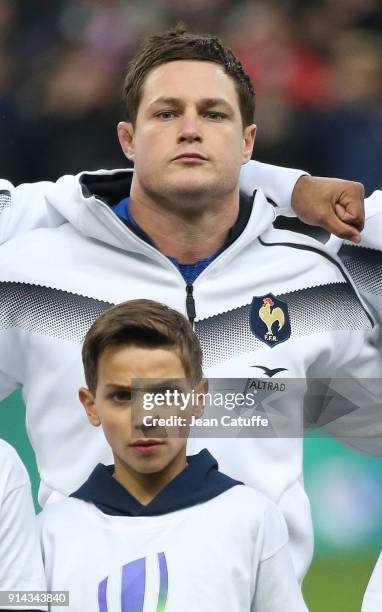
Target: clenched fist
(334, 204)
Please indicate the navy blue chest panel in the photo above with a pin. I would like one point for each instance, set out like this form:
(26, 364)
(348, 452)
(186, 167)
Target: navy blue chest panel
(5, 200)
(364, 266)
(68, 316)
(334, 306)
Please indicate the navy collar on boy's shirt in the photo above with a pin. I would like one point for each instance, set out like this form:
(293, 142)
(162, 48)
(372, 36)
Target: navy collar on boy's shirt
(198, 482)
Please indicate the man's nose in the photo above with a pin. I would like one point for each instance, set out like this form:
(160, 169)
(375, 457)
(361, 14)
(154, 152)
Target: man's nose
(190, 129)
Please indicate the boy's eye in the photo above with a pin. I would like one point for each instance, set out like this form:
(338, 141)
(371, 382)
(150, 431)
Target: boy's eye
(121, 396)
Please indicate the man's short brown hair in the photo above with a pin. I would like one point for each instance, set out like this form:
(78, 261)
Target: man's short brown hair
(142, 323)
(178, 44)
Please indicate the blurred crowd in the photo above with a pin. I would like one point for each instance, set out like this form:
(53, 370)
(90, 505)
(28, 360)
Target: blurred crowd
(316, 66)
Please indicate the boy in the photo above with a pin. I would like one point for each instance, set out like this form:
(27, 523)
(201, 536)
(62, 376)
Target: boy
(160, 531)
(21, 567)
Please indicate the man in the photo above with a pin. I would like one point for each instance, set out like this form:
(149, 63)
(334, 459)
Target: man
(99, 545)
(185, 237)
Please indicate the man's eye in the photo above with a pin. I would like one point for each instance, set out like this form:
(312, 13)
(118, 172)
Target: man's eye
(121, 396)
(166, 115)
(215, 116)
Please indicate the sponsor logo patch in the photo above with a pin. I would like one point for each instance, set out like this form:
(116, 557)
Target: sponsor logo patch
(268, 371)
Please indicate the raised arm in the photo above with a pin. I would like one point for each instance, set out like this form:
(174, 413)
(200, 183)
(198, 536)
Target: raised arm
(363, 261)
(25, 208)
(334, 204)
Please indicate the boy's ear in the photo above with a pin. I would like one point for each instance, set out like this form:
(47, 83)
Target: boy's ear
(199, 407)
(87, 400)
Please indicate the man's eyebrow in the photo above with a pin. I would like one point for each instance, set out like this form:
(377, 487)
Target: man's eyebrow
(209, 102)
(203, 102)
(175, 102)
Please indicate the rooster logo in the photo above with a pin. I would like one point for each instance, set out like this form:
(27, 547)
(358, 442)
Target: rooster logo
(270, 319)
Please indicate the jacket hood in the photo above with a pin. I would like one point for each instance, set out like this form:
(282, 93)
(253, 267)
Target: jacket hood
(198, 482)
(85, 201)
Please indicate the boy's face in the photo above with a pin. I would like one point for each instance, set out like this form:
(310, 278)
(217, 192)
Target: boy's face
(134, 444)
(188, 141)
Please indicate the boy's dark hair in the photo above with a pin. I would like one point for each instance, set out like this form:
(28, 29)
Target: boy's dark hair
(178, 44)
(143, 323)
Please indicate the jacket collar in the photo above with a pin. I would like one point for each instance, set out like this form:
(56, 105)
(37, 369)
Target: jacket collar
(86, 199)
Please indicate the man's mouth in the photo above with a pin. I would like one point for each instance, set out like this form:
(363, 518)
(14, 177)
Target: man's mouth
(191, 156)
(146, 446)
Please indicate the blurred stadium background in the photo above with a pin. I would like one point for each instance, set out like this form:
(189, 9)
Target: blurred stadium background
(317, 68)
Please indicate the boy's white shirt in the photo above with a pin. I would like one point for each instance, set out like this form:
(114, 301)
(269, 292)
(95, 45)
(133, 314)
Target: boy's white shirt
(228, 553)
(21, 567)
(68, 273)
(372, 601)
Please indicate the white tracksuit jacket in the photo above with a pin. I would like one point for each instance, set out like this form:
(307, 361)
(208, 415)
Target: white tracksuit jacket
(54, 281)
(21, 566)
(372, 601)
(363, 261)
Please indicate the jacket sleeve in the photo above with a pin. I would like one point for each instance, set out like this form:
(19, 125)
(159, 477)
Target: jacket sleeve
(277, 588)
(372, 601)
(363, 261)
(372, 233)
(371, 236)
(11, 359)
(7, 385)
(25, 208)
(349, 399)
(21, 566)
(276, 182)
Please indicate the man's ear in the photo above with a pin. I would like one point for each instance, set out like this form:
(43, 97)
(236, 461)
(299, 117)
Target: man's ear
(249, 136)
(88, 402)
(126, 138)
(202, 388)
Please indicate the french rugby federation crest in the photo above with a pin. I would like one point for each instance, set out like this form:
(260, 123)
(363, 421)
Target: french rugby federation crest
(270, 321)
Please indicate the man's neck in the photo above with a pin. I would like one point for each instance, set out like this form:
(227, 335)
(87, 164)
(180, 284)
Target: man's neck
(186, 236)
(145, 487)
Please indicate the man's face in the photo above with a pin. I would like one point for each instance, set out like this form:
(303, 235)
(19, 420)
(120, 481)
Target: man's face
(134, 445)
(188, 141)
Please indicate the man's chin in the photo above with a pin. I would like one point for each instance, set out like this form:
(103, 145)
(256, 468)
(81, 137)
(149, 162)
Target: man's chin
(195, 187)
(188, 193)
